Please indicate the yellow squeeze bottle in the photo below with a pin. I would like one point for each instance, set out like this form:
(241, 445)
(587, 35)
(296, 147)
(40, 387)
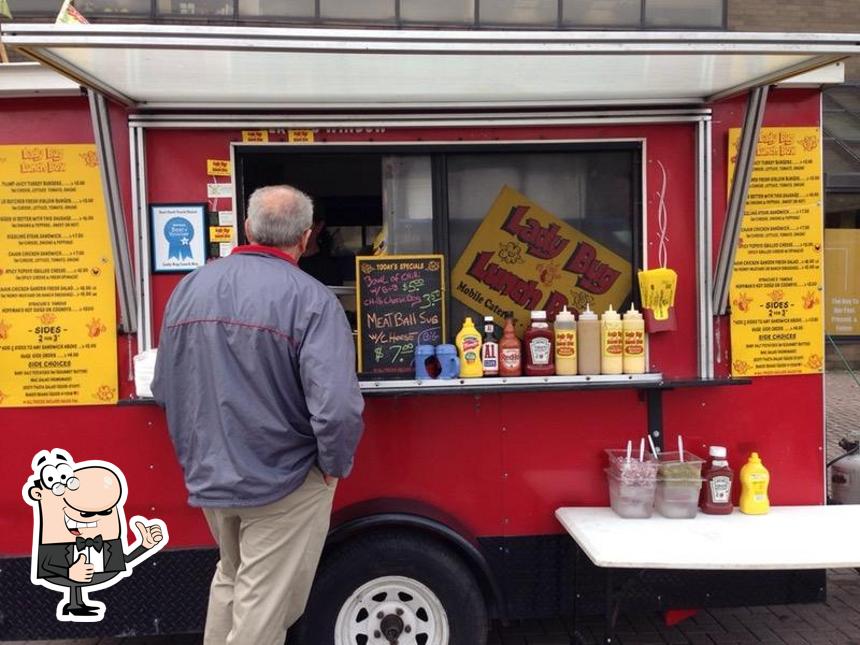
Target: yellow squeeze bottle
(754, 481)
(565, 343)
(633, 327)
(469, 347)
(611, 343)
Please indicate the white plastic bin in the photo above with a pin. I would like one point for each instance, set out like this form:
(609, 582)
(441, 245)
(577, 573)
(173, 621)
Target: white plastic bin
(678, 498)
(618, 461)
(630, 498)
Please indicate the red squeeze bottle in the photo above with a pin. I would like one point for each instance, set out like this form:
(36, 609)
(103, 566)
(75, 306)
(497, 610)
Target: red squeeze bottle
(538, 355)
(510, 351)
(716, 498)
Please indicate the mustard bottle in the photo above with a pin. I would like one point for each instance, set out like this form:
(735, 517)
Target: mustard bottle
(611, 343)
(565, 343)
(633, 326)
(754, 481)
(469, 347)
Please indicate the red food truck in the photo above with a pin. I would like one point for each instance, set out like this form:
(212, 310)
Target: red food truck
(413, 141)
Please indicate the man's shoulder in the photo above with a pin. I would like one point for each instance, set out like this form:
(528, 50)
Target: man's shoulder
(313, 286)
(289, 276)
(244, 267)
(258, 277)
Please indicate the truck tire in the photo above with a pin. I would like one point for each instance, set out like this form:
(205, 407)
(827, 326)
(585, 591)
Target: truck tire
(393, 587)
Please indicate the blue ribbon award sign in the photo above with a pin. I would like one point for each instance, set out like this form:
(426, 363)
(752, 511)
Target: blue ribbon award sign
(178, 235)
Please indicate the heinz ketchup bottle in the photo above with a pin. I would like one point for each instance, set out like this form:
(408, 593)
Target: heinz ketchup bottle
(537, 344)
(716, 496)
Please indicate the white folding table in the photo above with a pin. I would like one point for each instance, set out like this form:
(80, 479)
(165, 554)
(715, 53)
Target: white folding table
(788, 537)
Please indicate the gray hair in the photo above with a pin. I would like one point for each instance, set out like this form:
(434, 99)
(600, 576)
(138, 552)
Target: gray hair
(278, 215)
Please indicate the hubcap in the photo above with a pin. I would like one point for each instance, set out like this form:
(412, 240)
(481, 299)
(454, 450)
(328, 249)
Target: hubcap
(392, 610)
(391, 627)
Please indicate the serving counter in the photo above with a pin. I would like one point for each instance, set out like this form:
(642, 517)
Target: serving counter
(651, 388)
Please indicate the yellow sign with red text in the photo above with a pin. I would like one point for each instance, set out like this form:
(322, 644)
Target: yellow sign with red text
(776, 289)
(300, 136)
(255, 136)
(523, 257)
(220, 234)
(57, 292)
(218, 167)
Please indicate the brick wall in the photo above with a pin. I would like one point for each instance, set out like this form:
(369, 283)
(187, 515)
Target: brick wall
(798, 15)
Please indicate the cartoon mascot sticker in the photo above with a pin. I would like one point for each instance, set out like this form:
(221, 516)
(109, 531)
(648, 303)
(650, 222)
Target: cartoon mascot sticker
(79, 531)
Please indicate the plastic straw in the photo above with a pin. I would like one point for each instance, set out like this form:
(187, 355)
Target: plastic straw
(653, 447)
(681, 447)
(642, 449)
(629, 450)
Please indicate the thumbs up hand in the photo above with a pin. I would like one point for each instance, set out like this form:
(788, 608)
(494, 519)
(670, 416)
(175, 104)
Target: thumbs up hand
(149, 535)
(81, 570)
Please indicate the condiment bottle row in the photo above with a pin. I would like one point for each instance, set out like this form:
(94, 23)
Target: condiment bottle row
(613, 344)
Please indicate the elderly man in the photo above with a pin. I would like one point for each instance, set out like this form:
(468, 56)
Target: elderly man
(256, 372)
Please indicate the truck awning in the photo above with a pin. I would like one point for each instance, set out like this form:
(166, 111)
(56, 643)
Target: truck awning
(32, 79)
(218, 68)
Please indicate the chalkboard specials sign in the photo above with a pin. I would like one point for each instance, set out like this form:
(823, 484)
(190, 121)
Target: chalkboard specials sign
(401, 304)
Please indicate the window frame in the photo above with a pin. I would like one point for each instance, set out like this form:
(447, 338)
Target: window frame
(241, 18)
(439, 153)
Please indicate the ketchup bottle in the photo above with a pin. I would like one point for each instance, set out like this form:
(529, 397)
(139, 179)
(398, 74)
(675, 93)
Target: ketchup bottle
(716, 496)
(510, 350)
(538, 341)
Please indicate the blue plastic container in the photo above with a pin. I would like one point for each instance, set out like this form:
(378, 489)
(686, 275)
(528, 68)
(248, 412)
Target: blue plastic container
(424, 356)
(449, 361)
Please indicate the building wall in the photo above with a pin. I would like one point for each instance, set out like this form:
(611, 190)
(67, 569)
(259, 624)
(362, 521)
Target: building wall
(798, 15)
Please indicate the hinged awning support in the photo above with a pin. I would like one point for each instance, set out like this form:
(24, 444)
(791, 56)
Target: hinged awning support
(704, 255)
(738, 197)
(113, 207)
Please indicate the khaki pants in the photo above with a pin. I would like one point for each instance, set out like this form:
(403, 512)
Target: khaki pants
(269, 555)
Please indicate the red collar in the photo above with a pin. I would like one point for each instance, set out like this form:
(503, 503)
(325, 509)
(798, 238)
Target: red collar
(264, 250)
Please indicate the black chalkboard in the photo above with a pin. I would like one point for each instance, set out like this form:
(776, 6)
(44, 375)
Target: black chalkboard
(400, 304)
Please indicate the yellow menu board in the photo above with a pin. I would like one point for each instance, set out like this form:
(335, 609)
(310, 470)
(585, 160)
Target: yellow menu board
(776, 288)
(842, 281)
(523, 258)
(57, 291)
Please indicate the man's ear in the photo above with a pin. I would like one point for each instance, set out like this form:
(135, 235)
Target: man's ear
(303, 243)
(248, 235)
(35, 493)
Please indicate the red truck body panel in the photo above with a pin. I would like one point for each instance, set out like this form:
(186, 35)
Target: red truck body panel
(498, 463)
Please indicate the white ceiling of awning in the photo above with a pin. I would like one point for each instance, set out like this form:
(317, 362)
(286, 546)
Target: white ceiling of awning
(198, 67)
(32, 79)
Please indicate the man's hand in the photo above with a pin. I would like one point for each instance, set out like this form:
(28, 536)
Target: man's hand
(81, 571)
(150, 535)
(329, 480)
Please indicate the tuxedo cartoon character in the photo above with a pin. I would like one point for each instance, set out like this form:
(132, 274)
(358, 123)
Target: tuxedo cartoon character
(79, 531)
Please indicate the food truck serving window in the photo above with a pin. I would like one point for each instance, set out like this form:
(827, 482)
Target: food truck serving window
(546, 217)
(521, 226)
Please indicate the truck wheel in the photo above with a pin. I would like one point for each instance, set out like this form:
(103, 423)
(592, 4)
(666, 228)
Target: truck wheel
(387, 588)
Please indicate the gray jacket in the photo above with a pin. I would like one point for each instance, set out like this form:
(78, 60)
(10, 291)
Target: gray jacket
(256, 371)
